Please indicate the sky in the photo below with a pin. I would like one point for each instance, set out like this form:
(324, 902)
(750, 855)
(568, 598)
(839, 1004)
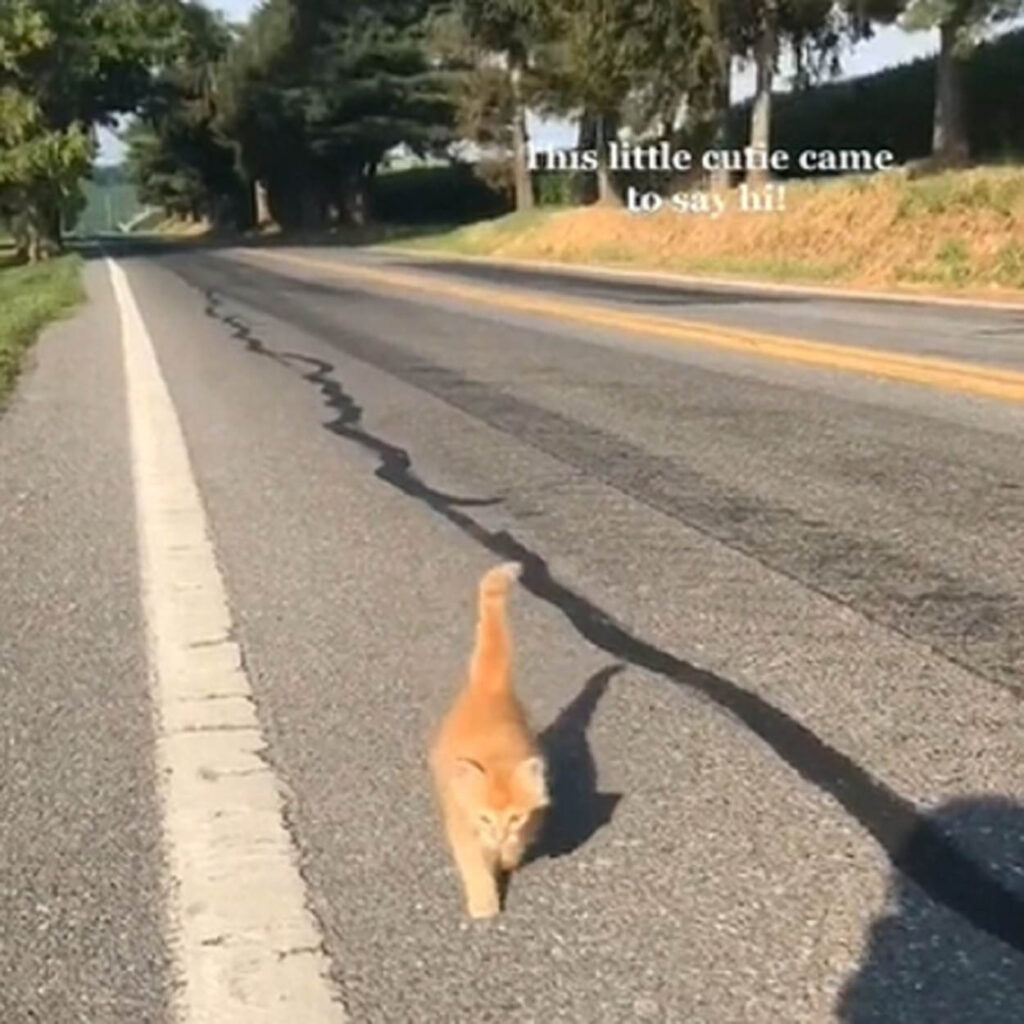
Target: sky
(237, 9)
(890, 46)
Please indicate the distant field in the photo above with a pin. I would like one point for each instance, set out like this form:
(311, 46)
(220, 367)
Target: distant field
(107, 205)
(30, 297)
(957, 231)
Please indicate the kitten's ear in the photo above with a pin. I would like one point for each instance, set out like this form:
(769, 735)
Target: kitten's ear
(465, 780)
(532, 775)
(467, 770)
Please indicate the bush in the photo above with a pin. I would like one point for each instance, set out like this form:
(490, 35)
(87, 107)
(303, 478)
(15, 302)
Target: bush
(461, 193)
(557, 188)
(451, 194)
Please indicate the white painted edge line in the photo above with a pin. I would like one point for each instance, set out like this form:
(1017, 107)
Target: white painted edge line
(247, 950)
(731, 285)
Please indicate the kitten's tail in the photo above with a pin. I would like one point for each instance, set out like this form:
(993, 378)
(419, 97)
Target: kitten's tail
(489, 668)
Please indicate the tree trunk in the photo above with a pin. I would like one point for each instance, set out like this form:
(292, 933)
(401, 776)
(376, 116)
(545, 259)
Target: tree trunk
(606, 193)
(586, 182)
(520, 165)
(311, 205)
(356, 198)
(33, 240)
(261, 204)
(761, 110)
(720, 93)
(949, 131)
(54, 227)
(29, 234)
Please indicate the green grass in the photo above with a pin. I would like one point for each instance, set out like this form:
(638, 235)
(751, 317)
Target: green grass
(766, 268)
(953, 261)
(997, 192)
(106, 206)
(476, 238)
(1009, 265)
(383, 233)
(31, 297)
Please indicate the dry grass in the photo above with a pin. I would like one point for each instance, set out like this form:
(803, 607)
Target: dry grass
(179, 227)
(960, 231)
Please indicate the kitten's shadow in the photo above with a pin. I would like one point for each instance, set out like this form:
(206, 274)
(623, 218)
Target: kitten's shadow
(578, 810)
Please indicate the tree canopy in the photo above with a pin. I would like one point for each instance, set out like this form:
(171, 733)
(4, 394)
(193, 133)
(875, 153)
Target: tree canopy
(176, 156)
(290, 116)
(65, 67)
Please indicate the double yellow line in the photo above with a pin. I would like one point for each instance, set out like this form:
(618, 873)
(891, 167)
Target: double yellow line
(946, 374)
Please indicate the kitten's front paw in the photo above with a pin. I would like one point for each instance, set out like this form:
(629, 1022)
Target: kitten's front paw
(511, 857)
(484, 907)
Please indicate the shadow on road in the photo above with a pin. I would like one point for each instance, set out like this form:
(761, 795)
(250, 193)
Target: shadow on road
(142, 244)
(568, 280)
(573, 280)
(924, 963)
(578, 809)
(915, 845)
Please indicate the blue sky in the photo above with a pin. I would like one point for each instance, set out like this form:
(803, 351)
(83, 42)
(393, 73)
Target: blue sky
(890, 46)
(236, 8)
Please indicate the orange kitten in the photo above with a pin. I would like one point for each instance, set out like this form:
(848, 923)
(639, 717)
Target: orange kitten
(487, 767)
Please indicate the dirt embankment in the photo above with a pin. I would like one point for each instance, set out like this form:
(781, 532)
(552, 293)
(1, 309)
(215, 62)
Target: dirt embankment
(958, 231)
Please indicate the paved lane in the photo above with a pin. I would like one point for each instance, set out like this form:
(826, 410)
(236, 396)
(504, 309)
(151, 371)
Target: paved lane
(770, 624)
(812, 585)
(983, 334)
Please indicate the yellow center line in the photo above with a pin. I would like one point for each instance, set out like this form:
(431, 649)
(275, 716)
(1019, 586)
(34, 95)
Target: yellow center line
(946, 374)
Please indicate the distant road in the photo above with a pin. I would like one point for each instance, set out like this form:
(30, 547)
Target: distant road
(772, 627)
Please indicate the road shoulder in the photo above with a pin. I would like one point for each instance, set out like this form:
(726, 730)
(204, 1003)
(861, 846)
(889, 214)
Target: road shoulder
(81, 893)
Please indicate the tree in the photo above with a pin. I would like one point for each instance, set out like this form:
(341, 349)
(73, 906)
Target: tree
(508, 29)
(758, 30)
(679, 86)
(66, 66)
(39, 172)
(175, 156)
(606, 56)
(372, 86)
(39, 165)
(263, 122)
(959, 22)
(316, 91)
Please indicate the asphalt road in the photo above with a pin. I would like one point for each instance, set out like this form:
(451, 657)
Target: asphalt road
(772, 628)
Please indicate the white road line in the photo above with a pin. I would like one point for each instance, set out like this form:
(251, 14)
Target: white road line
(246, 947)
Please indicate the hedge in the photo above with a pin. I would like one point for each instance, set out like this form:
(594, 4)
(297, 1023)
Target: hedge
(893, 109)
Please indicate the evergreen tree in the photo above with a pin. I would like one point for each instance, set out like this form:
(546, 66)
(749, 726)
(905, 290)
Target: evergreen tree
(316, 92)
(508, 31)
(176, 158)
(372, 85)
(607, 57)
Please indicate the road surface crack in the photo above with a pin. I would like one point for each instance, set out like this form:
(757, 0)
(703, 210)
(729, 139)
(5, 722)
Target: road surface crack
(915, 844)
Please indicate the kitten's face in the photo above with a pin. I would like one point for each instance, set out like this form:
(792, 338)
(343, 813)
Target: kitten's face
(500, 829)
(503, 806)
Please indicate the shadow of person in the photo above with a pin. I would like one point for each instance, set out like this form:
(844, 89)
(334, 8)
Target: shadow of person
(578, 810)
(927, 964)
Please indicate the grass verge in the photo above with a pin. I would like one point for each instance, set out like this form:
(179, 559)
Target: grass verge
(30, 297)
(958, 232)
